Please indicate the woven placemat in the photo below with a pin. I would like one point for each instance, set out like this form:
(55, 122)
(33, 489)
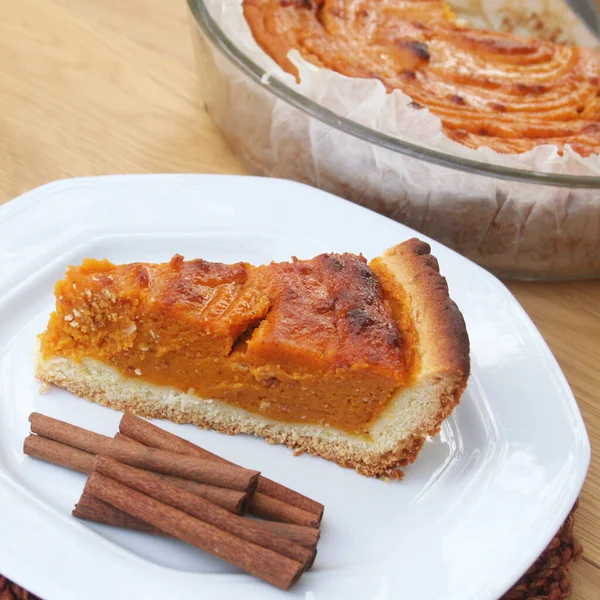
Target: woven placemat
(547, 579)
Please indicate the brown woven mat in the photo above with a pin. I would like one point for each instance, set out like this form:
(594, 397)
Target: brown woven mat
(547, 579)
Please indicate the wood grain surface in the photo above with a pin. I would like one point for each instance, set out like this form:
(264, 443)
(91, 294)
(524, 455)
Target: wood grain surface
(92, 87)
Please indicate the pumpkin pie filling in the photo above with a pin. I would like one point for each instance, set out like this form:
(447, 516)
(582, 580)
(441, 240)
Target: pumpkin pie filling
(324, 341)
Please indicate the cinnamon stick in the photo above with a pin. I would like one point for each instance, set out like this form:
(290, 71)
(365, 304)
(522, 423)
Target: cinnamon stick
(272, 509)
(150, 435)
(43, 448)
(284, 517)
(284, 494)
(58, 454)
(91, 509)
(232, 500)
(270, 566)
(247, 529)
(153, 459)
(236, 502)
(124, 438)
(305, 536)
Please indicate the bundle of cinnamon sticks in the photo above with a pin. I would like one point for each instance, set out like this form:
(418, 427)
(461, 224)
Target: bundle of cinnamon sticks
(150, 480)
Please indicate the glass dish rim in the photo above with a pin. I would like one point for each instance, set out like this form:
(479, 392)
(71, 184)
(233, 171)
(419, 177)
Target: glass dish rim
(270, 83)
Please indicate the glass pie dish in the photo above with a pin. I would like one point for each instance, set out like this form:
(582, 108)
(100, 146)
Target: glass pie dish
(518, 223)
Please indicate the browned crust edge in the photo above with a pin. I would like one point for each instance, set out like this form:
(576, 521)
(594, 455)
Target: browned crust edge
(442, 326)
(443, 337)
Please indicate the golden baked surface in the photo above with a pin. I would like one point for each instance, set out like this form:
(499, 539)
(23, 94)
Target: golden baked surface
(314, 341)
(489, 89)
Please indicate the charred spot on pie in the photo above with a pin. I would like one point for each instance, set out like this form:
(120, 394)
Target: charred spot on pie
(419, 247)
(498, 107)
(332, 261)
(366, 278)
(360, 277)
(359, 318)
(417, 48)
(394, 339)
(530, 88)
(457, 99)
(296, 3)
(366, 273)
(408, 74)
(370, 288)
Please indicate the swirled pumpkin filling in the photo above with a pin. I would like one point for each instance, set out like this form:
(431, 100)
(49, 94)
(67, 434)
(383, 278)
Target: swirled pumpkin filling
(490, 89)
(322, 341)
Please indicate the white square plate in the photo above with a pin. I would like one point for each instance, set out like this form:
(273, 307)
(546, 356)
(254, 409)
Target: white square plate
(474, 511)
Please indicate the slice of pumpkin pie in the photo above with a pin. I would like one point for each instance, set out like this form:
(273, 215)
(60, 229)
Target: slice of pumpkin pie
(356, 362)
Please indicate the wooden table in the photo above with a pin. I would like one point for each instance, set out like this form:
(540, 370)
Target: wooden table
(91, 87)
